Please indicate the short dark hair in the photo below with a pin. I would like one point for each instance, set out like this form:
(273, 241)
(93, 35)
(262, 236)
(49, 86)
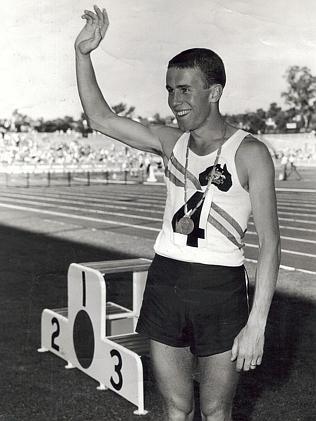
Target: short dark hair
(210, 64)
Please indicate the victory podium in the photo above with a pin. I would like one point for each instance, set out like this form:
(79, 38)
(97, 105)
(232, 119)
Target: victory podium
(96, 336)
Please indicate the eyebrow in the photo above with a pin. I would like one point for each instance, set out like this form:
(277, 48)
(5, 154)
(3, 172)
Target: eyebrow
(179, 86)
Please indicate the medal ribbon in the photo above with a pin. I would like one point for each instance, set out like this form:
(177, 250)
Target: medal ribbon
(210, 179)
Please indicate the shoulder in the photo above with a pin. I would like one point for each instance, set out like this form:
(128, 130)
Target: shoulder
(255, 159)
(254, 163)
(168, 137)
(251, 144)
(253, 153)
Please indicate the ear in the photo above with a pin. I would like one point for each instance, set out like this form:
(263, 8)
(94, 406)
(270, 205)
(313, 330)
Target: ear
(216, 91)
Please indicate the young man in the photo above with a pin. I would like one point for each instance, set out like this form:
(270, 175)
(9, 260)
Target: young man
(195, 304)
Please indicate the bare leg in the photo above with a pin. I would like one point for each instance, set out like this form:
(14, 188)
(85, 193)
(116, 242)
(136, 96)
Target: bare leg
(173, 371)
(218, 381)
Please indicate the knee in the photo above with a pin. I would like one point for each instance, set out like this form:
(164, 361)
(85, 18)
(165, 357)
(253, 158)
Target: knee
(216, 411)
(179, 409)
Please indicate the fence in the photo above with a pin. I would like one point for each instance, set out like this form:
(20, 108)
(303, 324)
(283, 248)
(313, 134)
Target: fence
(69, 175)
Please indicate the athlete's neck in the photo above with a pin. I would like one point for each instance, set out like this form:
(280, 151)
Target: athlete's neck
(210, 136)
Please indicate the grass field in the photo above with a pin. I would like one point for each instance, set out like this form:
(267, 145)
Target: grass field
(34, 258)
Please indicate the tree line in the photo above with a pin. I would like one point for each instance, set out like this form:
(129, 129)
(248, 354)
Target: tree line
(299, 96)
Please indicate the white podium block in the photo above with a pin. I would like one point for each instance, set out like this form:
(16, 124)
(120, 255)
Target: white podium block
(55, 332)
(78, 333)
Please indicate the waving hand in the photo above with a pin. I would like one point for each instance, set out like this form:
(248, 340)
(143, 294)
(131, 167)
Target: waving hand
(93, 32)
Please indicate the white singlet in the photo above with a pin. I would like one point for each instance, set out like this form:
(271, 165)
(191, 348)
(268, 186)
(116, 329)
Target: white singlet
(220, 222)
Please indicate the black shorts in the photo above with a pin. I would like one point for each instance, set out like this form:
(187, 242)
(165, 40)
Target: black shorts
(192, 304)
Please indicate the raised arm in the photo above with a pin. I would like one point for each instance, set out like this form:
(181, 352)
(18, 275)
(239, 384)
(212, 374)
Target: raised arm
(248, 345)
(99, 114)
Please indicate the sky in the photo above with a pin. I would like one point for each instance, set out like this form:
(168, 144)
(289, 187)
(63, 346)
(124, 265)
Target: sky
(257, 40)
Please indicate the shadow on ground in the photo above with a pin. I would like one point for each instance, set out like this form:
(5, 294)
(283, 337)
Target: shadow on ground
(36, 386)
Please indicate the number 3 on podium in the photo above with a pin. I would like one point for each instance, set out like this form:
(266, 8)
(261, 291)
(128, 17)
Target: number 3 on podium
(117, 368)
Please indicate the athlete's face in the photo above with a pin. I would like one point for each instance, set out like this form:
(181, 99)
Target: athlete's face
(187, 97)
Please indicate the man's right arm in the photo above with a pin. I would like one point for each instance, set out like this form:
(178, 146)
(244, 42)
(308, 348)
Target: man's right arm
(99, 114)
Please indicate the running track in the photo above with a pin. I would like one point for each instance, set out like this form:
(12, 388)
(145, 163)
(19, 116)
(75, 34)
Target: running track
(137, 211)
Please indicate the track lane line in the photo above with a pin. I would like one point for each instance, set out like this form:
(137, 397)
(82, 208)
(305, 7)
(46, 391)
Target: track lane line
(289, 227)
(85, 218)
(285, 267)
(133, 216)
(103, 201)
(284, 237)
(123, 215)
(298, 253)
(89, 210)
(111, 222)
(28, 198)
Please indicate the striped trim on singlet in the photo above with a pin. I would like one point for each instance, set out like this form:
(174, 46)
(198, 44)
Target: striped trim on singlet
(230, 222)
(176, 173)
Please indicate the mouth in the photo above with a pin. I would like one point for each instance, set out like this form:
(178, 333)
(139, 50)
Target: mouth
(182, 113)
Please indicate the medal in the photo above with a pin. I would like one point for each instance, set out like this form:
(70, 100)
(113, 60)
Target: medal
(185, 225)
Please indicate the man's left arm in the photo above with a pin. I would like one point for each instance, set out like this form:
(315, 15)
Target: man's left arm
(248, 345)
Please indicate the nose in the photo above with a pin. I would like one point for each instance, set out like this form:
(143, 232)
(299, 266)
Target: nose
(175, 98)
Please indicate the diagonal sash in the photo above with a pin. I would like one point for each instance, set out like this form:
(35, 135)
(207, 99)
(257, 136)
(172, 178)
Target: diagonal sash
(228, 218)
(216, 224)
(173, 179)
(181, 169)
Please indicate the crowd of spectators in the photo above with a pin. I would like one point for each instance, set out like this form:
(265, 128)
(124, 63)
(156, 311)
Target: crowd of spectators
(297, 154)
(68, 150)
(71, 151)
